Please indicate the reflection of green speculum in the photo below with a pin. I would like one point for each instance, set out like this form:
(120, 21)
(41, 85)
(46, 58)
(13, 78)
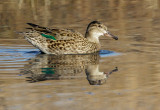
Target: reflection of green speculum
(48, 36)
(48, 70)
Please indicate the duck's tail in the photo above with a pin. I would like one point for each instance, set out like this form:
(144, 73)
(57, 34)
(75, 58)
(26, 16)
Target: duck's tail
(37, 40)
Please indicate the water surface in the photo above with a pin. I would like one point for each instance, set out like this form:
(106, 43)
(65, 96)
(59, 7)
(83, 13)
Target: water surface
(129, 74)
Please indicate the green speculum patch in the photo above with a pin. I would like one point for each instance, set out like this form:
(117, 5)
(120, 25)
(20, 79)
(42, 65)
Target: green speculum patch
(48, 36)
(48, 70)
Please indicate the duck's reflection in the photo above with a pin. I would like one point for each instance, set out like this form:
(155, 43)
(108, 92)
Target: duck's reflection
(50, 67)
(95, 77)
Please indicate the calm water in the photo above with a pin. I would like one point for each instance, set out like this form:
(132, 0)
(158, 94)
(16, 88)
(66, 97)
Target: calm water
(30, 80)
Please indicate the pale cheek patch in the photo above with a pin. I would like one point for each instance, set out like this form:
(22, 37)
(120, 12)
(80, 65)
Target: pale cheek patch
(98, 34)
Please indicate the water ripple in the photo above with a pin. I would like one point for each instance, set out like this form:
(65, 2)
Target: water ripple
(13, 57)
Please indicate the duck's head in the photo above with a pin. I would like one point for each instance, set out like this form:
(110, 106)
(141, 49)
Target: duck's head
(96, 29)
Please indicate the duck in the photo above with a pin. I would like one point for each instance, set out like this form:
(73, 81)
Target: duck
(67, 41)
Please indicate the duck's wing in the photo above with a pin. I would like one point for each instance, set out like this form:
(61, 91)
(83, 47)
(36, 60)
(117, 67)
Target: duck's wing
(58, 34)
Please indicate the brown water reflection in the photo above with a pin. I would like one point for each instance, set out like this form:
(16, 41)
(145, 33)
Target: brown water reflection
(51, 67)
(134, 87)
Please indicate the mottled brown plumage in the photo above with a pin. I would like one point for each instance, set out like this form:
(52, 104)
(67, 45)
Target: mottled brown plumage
(67, 41)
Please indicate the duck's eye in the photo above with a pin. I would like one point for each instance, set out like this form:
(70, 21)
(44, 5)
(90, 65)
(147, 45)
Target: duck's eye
(100, 26)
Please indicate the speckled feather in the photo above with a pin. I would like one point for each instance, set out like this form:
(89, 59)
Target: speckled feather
(59, 34)
(67, 41)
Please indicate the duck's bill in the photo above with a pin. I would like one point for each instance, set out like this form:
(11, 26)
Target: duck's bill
(108, 34)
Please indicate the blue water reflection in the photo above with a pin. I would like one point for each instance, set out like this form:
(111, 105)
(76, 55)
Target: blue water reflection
(107, 53)
(15, 57)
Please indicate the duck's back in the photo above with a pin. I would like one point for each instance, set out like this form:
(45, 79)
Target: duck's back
(59, 41)
(58, 34)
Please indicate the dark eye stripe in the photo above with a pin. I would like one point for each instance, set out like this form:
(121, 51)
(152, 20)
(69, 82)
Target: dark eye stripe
(100, 26)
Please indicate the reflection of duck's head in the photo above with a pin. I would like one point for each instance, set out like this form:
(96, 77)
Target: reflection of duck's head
(94, 76)
(97, 80)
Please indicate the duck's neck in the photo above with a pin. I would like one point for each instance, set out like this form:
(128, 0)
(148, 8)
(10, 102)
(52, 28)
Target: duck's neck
(92, 37)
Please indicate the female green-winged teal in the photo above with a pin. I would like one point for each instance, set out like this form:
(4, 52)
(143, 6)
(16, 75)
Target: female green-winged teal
(66, 41)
